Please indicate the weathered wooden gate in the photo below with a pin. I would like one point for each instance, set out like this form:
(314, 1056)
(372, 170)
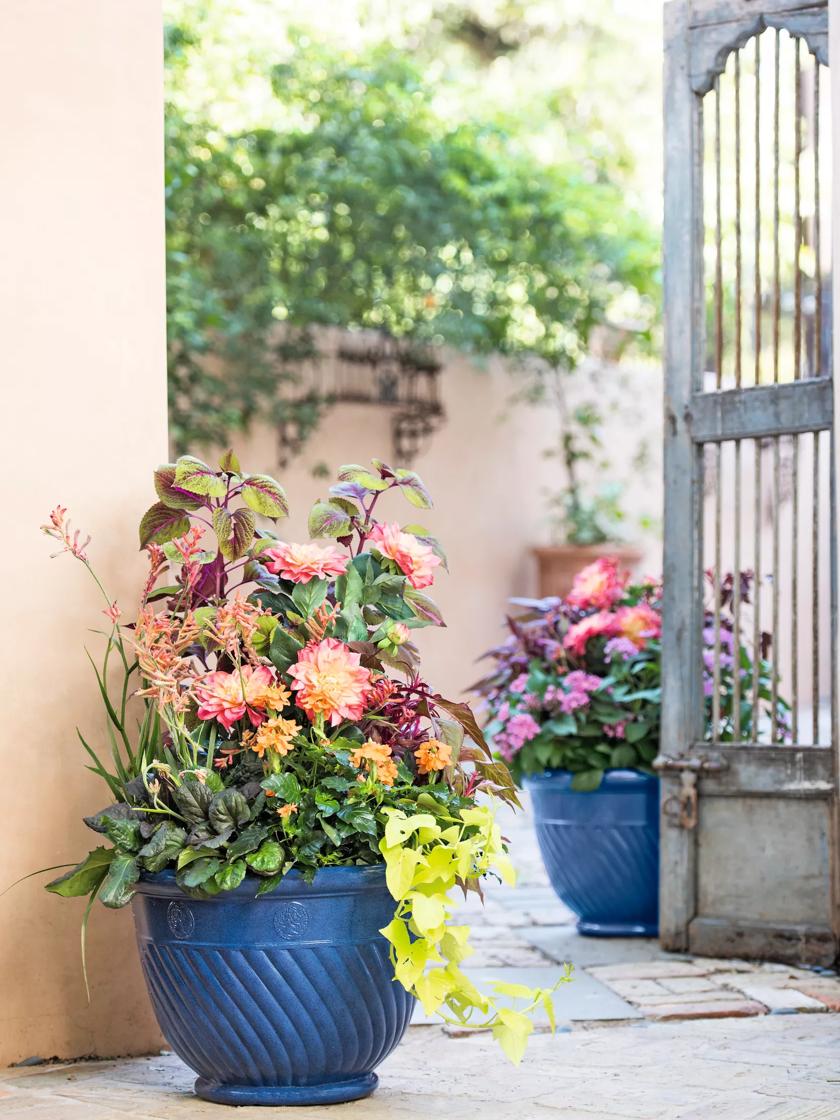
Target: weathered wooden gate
(749, 735)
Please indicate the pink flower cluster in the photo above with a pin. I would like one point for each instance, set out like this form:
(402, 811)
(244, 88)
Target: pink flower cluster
(637, 625)
(577, 687)
(519, 730)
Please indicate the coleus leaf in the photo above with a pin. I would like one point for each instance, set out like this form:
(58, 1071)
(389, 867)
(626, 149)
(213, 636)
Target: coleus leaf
(413, 488)
(328, 519)
(423, 607)
(235, 531)
(229, 462)
(262, 494)
(160, 524)
(352, 472)
(195, 476)
(170, 494)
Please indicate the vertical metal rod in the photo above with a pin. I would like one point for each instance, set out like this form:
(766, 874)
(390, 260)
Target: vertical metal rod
(756, 635)
(777, 295)
(738, 286)
(817, 230)
(718, 253)
(815, 588)
(774, 607)
(797, 373)
(736, 603)
(717, 598)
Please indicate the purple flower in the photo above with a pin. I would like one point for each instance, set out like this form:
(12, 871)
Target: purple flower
(727, 638)
(578, 681)
(619, 647)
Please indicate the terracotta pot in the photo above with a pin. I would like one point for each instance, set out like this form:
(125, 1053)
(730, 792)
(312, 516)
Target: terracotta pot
(558, 564)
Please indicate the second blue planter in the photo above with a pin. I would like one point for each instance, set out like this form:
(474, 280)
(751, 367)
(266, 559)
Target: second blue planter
(601, 849)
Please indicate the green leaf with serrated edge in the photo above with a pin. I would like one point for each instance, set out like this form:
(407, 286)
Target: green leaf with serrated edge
(352, 472)
(231, 875)
(585, 781)
(307, 597)
(160, 524)
(198, 872)
(412, 487)
(193, 475)
(229, 462)
(264, 495)
(285, 787)
(267, 860)
(244, 523)
(228, 810)
(123, 833)
(116, 889)
(222, 525)
(349, 587)
(248, 840)
(84, 876)
(170, 494)
(163, 846)
(328, 520)
(284, 649)
(193, 800)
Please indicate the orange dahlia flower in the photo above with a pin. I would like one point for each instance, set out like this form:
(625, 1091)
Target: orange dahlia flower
(433, 755)
(638, 624)
(598, 585)
(302, 562)
(249, 691)
(416, 560)
(602, 624)
(330, 681)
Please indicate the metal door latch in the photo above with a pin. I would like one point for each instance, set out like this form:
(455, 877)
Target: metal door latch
(680, 809)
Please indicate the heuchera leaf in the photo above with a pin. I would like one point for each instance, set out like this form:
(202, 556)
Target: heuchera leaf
(193, 475)
(170, 494)
(263, 495)
(327, 519)
(160, 524)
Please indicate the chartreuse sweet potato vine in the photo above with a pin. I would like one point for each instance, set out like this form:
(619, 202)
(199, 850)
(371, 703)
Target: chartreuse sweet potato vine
(284, 722)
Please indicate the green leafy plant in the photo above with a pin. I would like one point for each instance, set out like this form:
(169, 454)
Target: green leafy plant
(285, 724)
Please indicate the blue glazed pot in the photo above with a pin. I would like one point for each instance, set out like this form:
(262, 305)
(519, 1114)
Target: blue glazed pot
(601, 849)
(287, 999)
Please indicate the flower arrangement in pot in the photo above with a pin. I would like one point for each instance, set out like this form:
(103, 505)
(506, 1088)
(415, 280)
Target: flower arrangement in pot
(573, 706)
(296, 807)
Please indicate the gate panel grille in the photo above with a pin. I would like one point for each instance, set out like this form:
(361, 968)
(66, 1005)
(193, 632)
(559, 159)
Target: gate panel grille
(749, 725)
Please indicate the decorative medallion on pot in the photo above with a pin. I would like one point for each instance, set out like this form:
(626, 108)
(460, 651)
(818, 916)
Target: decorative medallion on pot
(296, 807)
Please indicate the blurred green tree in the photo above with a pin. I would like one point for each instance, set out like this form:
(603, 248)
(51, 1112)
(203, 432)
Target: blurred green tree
(364, 205)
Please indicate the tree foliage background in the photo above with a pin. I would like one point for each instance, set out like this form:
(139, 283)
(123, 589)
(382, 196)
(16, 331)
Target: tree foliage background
(443, 174)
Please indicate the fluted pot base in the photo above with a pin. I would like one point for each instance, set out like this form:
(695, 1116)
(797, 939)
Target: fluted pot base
(335, 1092)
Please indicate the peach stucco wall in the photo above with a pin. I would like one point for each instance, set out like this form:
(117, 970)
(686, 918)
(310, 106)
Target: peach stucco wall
(82, 352)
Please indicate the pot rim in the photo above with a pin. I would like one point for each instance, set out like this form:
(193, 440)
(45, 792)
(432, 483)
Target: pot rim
(338, 880)
(614, 779)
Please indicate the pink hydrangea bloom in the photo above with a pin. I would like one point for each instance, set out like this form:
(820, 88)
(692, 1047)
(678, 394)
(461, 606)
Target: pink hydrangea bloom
(598, 585)
(578, 681)
(417, 561)
(571, 701)
(302, 562)
(520, 683)
(521, 728)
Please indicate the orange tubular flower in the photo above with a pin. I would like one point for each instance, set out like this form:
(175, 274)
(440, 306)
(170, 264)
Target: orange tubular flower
(417, 561)
(433, 755)
(302, 562)
(330, 681)
(376, 759)
(285, 811)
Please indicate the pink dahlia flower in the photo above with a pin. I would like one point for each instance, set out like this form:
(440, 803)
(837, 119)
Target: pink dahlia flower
(249, 691)
(638, 624)
(330, 681)
(601, 624)
(598, 585)
(417, 561)
(302, 562)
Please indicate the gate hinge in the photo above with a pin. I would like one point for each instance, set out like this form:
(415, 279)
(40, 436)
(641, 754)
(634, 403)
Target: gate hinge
(680, 809)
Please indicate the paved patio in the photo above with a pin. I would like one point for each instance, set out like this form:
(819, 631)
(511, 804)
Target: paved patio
(642, 1035)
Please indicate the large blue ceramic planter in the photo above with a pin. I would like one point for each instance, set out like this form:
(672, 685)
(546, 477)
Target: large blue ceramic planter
(285, 999)
(601, 849)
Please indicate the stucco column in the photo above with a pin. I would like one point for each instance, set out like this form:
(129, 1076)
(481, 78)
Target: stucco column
(82, 354)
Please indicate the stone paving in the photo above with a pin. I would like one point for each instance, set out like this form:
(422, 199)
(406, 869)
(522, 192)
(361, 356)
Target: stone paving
(643, 1035)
